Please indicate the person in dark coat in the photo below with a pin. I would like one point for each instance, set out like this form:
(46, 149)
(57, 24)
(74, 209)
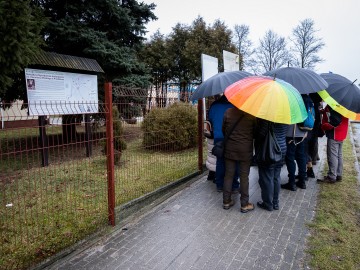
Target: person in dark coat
(269, 174)
(238, 150)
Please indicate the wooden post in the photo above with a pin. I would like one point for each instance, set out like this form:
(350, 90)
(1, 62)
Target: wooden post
(110, 152)
(88, 136)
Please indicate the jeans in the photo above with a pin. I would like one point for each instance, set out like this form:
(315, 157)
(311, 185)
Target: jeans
(220, 173)
(296, 152)
(269, 181)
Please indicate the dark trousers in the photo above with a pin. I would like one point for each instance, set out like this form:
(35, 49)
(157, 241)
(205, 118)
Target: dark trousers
(296, 152)
(269, 181)
(244, 167)
(220, 173)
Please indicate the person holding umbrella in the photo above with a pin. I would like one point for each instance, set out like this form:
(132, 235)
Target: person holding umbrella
(240, 128)
(336, 128)
(271, 100)
(343, 103)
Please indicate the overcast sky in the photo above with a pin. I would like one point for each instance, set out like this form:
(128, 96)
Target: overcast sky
(338, 22)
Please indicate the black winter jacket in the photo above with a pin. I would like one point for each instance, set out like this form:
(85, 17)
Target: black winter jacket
(279, 131)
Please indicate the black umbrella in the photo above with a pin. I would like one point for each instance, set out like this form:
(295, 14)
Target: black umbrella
(304, 80)
(218, 83)
(343, 91)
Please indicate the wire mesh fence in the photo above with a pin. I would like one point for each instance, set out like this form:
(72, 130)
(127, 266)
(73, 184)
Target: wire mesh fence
(54, 168)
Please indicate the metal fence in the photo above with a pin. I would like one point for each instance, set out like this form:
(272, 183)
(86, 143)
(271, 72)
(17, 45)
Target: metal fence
(61, 176)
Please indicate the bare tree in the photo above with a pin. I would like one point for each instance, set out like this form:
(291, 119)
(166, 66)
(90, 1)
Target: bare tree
(306, 45)
(272, 52)
(243, 44)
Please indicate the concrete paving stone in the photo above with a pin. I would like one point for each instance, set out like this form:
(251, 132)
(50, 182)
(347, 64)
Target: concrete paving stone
(284, 266)
(234, 265)
(116, 262)
(248, 263)
(270, 266)
(260, 262)
(204, 258)
(254, 252)
(127, 265)
(271, 241)
(266, 251)
(275, 258)
(289, 254)
(214, 260)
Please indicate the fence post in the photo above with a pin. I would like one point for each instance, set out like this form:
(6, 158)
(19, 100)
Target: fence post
(110, 152)
(200, 134)
(44, 143)
(88, 136)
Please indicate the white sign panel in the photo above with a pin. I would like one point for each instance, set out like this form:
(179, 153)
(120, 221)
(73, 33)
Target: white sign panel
(231, 61)
(209, 66)
(57, 93)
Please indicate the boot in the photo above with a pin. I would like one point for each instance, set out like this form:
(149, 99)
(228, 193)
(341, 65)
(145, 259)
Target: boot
(227, 201)
(310, 173)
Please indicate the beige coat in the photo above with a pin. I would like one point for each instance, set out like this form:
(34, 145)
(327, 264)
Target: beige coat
(240, 143)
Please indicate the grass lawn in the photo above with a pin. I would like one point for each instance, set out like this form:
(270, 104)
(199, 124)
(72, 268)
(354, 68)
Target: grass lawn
(335, 230)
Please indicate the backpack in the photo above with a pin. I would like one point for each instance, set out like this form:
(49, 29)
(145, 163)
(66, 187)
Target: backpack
(308, 123)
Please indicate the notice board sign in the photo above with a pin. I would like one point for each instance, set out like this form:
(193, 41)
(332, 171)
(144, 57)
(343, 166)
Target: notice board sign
(58, 93)
(231, 61)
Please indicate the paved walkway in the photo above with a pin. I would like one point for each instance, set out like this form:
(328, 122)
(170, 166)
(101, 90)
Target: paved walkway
(192, 231)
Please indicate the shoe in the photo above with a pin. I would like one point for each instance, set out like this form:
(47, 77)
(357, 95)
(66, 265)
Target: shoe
(227, 206)
(300, 185)
(263, 206)
(326, 179)
(310, 173)
(276, 206)
(247, 208)
(297, 176)
(313, 162)
(288, 186)
(339, 178)
(219, 190)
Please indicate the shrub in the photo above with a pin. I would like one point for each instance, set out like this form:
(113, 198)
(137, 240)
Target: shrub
(170, 129)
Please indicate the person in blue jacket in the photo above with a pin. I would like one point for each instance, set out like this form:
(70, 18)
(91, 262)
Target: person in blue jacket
(216, 115)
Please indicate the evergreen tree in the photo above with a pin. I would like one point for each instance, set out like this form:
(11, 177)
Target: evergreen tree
(20, 27)
(110, 31)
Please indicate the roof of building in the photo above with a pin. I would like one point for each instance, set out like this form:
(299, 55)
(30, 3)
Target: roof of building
(52, 59)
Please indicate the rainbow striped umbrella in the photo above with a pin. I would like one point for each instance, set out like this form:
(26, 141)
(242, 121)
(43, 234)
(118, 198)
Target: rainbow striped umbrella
(271, 99)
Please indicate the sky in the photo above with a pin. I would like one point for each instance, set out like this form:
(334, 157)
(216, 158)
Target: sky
(337, 22)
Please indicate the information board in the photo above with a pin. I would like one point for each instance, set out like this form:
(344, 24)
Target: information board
(58, 93)
(231, 61)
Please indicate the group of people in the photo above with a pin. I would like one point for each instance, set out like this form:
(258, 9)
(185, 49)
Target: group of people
(245, 136)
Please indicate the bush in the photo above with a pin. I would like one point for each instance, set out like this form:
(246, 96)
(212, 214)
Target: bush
(170, 129)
